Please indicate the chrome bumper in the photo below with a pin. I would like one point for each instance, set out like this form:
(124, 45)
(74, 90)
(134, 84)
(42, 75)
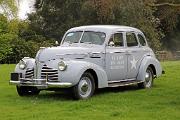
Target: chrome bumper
(42, 83)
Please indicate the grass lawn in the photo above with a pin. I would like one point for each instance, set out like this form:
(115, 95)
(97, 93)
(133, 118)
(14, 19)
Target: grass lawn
(162, 102)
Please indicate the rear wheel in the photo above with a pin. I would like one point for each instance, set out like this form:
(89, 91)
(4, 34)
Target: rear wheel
(85, 88)
(27, 90)
(149, 76)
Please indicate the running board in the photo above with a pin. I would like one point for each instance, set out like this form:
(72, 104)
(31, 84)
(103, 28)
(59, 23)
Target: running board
(122, 83)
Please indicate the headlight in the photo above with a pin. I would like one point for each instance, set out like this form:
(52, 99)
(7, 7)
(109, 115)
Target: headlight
(62, 66)
(22, 65)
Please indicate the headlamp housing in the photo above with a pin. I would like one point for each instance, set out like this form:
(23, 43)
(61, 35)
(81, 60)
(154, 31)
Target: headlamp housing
(62, 66)
(22, 65)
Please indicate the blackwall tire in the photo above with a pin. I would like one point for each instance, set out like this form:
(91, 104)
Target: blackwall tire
(149, 78)
(85, 87)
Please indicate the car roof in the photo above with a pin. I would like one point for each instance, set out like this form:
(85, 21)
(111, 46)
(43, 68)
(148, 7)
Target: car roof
(104, 28)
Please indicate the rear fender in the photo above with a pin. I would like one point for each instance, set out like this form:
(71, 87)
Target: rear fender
(148, 60)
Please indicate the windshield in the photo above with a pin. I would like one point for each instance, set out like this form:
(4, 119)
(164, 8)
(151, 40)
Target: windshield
(72, 37)
(97, 38)
(88, 37)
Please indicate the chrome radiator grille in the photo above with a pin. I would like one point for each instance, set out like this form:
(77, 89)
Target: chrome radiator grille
(29, 73)
(49, 73)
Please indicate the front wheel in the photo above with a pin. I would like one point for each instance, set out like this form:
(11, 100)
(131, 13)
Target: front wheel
(149, 76)
(85, 88)
(27, 90)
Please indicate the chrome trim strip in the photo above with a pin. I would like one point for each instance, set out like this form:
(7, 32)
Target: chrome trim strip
(70, 54)
(118, 85)
(118, 81)
(116, 52)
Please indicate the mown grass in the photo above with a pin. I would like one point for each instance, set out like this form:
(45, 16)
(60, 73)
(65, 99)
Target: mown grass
(162, 102)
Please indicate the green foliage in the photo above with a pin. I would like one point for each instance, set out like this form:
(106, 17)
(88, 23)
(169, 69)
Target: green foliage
(5, 38)
(168, 15)
(162, 102)
(21, 48)
(53, 18)
(137, 14)
(18, 41)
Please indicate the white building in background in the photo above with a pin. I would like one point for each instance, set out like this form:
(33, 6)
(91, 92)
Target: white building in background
(25, 7)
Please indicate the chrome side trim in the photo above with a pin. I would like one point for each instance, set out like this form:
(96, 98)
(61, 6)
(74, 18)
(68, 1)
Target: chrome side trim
(123, 82)
(116, 52)
(117, 81)
(70, 54)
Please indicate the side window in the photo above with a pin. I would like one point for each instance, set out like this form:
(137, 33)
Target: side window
(141, 40)
(131, 39)
(117, 39)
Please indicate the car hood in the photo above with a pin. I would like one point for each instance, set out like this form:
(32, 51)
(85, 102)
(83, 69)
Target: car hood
(52, 53)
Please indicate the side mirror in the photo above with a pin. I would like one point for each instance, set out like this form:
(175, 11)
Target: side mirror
(111, 44)
(56, 43)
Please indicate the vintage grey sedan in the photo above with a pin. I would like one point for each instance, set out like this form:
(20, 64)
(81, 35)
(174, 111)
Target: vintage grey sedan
(89, 57)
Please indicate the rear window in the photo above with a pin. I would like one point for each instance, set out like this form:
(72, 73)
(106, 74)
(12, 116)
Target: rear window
(141, 40)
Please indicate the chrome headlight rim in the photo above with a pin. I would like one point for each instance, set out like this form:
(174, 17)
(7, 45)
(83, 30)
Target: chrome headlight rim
(22, 65)
(62, 66)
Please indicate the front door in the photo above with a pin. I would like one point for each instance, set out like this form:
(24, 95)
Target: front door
(116, 58)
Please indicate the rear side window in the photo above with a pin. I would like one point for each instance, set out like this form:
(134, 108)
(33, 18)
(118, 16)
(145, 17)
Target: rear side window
(141, 40)
(131, 39)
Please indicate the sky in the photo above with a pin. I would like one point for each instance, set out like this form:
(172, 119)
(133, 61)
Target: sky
(25, 6)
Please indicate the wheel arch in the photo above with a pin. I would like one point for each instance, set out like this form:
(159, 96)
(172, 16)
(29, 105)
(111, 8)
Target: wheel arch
(153, 69)
(149, 62)
(93, 73)
(99, 75)
(74, 73)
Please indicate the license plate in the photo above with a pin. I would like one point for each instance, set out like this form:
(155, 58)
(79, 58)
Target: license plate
(16, 76)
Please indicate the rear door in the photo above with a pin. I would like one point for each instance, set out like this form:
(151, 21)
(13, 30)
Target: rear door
(135, 53)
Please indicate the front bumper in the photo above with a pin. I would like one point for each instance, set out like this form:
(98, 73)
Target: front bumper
(16, 79)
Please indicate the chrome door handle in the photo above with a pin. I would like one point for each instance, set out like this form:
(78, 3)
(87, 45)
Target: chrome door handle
(134, 51)
(130, 52)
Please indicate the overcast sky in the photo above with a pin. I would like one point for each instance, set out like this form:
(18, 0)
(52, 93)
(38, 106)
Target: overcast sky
(25, 6)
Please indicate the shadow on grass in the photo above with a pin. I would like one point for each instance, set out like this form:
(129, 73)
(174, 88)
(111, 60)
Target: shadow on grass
(66, 95)
(117, 89)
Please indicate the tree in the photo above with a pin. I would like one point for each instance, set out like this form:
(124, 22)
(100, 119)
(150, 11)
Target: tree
(5, 38)
(53, 18)
(168, 12)
(9, 8)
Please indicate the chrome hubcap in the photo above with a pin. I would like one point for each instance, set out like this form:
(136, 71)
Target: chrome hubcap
(148, 79)
(85, 87)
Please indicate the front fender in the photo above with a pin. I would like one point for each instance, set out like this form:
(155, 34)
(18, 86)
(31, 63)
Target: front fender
(75, 69)
(30, 62)
(148, 60)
